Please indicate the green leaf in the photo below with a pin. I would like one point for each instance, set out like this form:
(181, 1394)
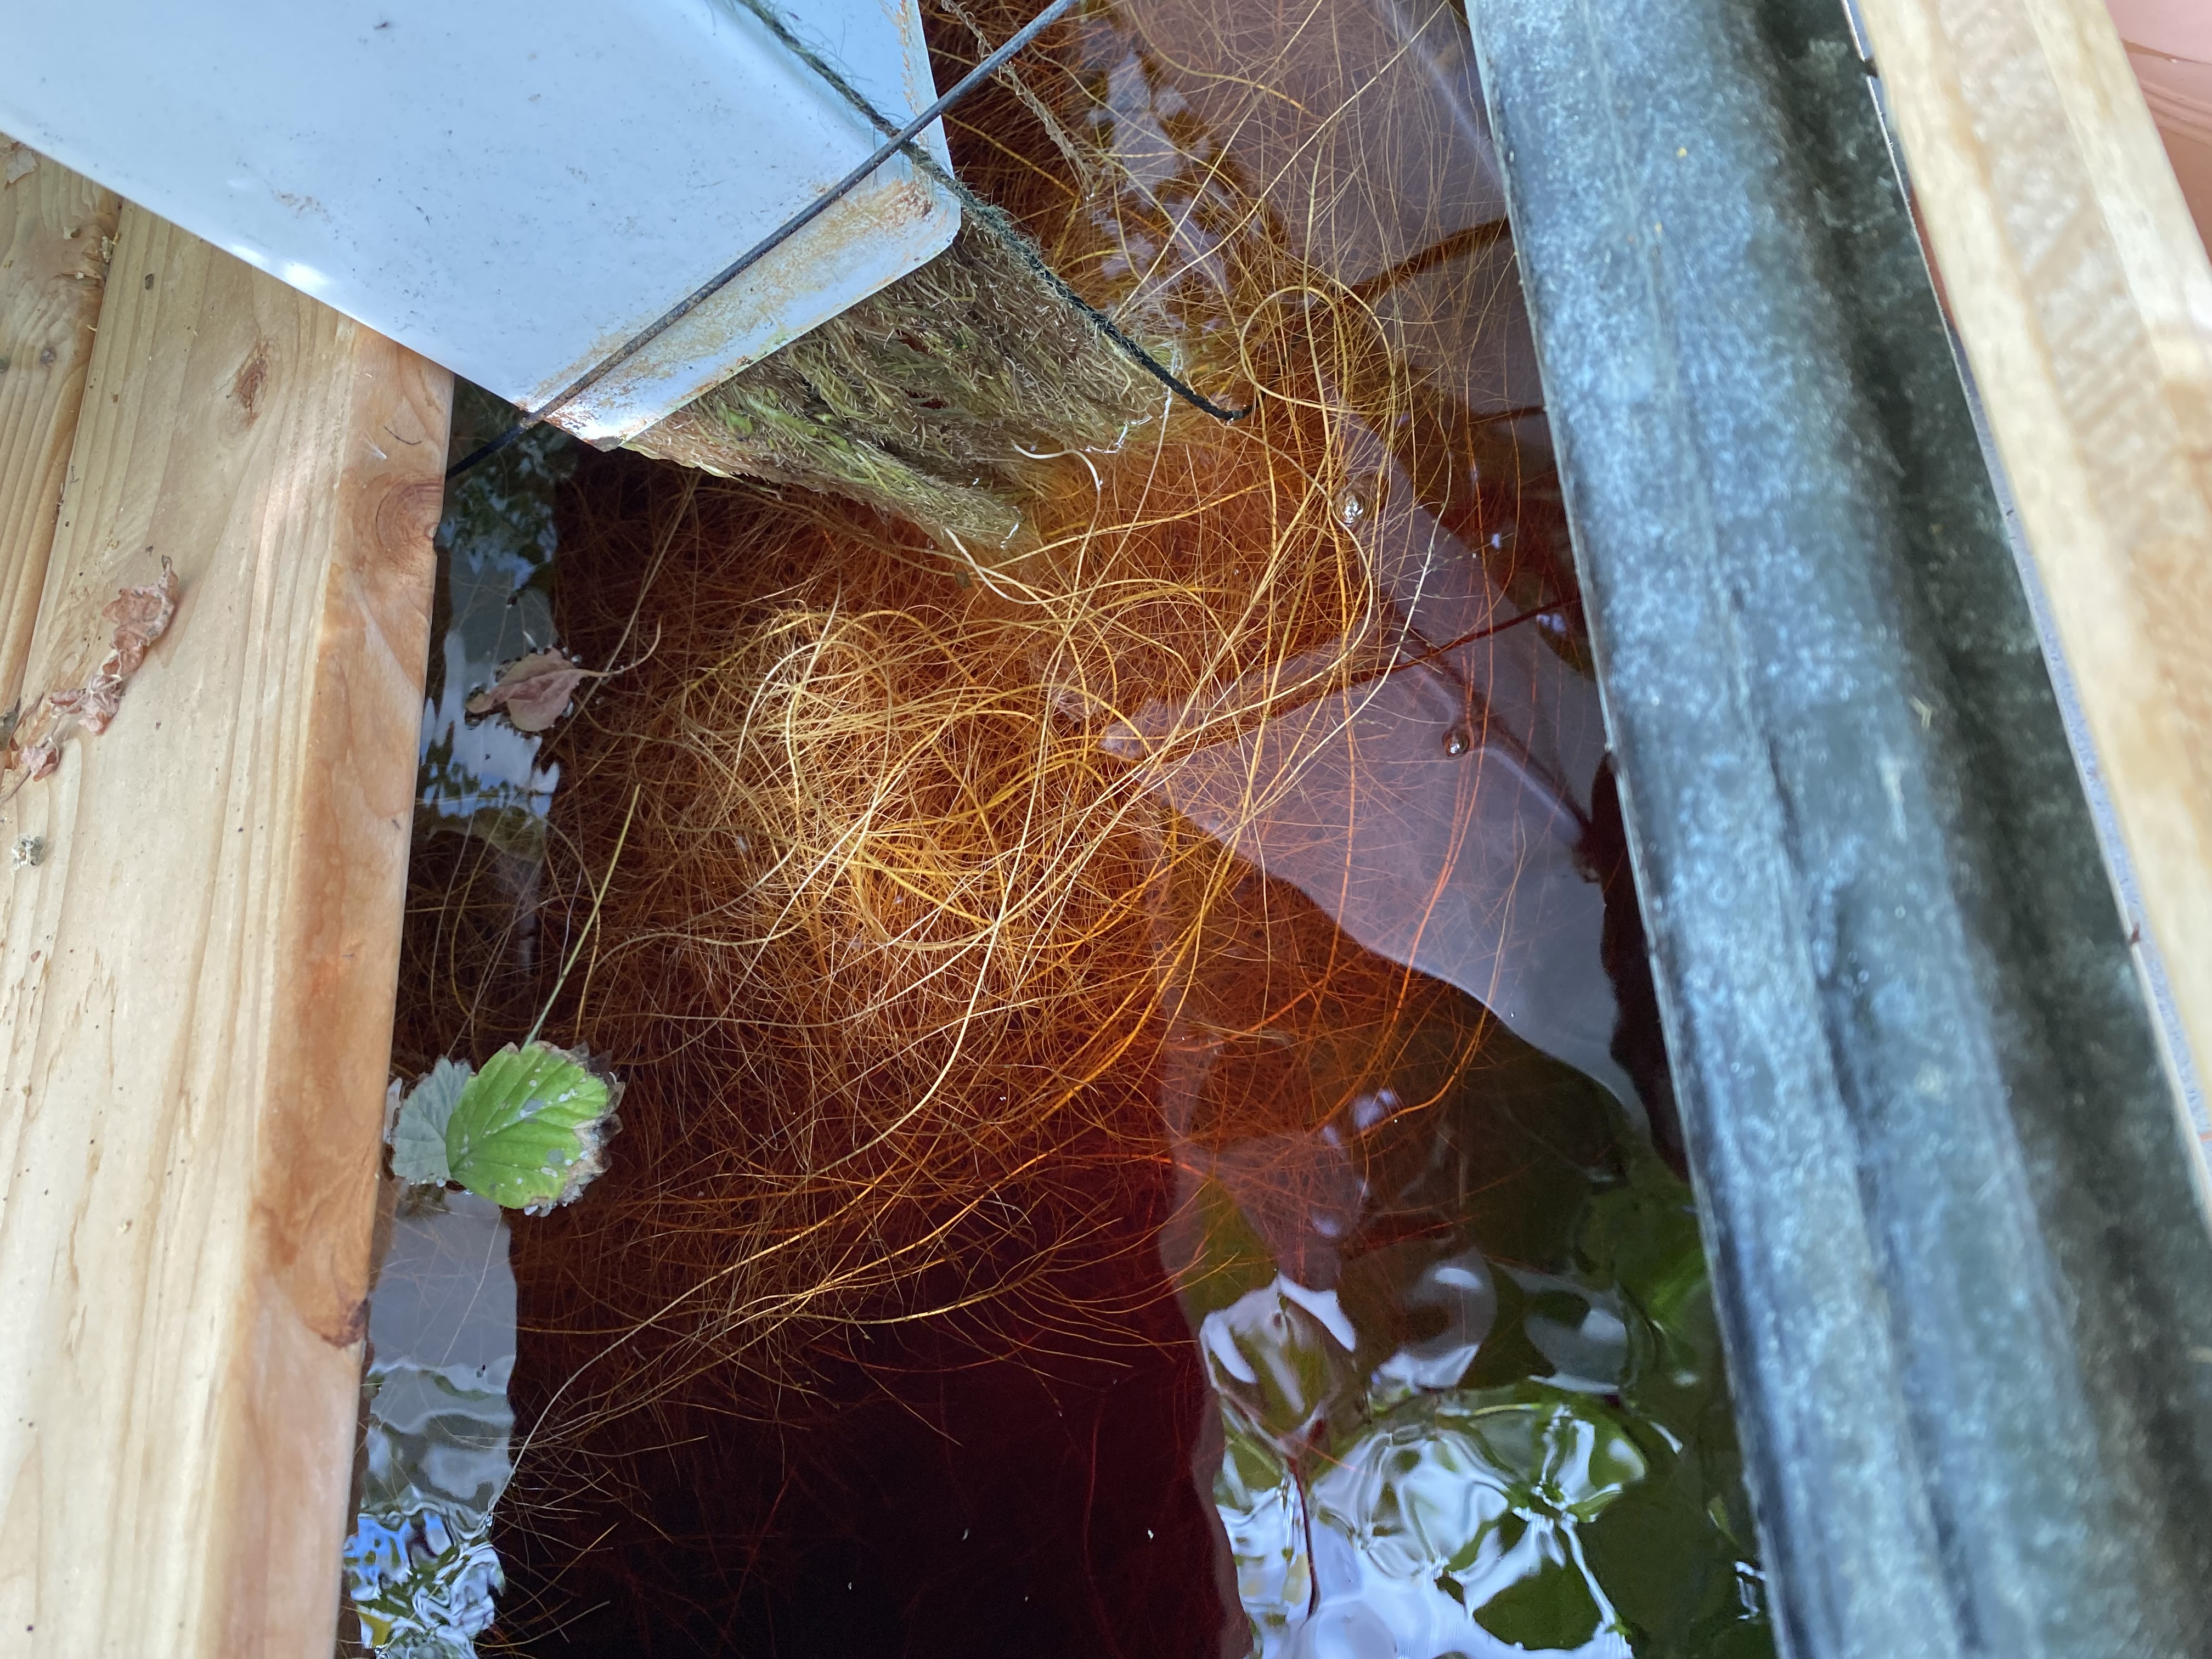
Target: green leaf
(418, 1130)
(529, 1130)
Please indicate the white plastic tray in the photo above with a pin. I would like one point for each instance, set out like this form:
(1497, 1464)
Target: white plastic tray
(513, 188)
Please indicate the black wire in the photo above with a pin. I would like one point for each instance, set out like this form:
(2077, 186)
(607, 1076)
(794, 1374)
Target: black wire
(897, 141)
(484, 451)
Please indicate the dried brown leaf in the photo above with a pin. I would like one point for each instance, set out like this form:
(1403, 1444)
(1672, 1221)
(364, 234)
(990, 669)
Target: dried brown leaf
(534, 691)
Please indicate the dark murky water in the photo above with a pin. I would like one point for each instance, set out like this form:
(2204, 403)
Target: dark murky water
(1436, 1375)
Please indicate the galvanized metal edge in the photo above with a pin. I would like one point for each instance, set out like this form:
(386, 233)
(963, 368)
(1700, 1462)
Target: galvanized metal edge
(1964, 1279)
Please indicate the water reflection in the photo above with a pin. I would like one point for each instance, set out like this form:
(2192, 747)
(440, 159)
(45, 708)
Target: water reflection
(1440, 807)
(1470, 1396)
(496, 545)
(420, 1569)
(1462, 1392)
(1439, 811)
(1469, 1385)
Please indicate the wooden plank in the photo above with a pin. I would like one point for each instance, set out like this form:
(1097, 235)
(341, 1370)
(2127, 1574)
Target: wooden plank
(2082, 295)
(56, 227)
(196, 981)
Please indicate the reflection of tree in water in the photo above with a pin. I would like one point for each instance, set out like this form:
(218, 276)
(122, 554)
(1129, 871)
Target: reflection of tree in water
(469, 955)
(494, 603)
(1470, 1384)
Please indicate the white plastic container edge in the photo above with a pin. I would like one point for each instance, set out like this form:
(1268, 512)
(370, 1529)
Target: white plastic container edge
(513, 188)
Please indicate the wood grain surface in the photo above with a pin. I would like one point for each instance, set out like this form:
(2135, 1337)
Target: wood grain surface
(197, 977)
(2082, 295)
(56, 229)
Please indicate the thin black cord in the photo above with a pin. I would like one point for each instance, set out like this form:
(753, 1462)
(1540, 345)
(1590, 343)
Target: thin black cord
(484, 451)
(995, 219)
(896, 141)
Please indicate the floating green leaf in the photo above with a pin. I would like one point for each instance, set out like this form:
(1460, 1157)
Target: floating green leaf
(527, 1132)
(418, 1132)
(529, 1128)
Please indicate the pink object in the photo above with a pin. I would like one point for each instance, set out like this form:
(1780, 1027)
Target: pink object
(2169, 44)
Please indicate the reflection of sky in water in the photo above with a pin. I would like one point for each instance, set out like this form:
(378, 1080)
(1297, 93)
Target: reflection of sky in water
(1459, 1333)
(494, 603)
(1439, 811)
(1469, 1386)
(421, 1571)
(472, 766)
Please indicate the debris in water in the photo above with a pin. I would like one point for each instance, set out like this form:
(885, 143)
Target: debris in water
(30, 852)
(18, 161)
(533, 691)
(529, 1132)
(416, 1127)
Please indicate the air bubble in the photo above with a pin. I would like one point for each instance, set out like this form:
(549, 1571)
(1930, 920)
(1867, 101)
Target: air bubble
(1457, 742)
(1351, 507)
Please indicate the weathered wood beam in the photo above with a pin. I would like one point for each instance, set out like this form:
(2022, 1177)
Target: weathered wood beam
(56, 227)
(197, 974)
(1959, 1247)
(2079, 287)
